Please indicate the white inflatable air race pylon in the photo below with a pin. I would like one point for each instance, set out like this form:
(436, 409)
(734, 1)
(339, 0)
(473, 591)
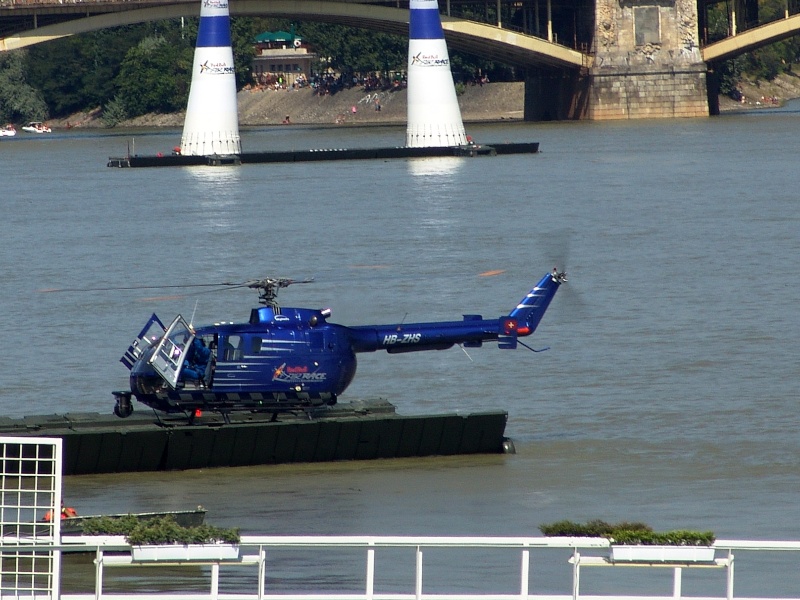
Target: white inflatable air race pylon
(211, 126)
(434, 117)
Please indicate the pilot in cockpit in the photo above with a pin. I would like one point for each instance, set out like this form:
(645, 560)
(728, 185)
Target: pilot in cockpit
(194, 367)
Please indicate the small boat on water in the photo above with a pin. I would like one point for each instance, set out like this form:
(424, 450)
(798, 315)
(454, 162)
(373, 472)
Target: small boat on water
(37, 127)
(8, 131)
(184, 518)
(74, 525)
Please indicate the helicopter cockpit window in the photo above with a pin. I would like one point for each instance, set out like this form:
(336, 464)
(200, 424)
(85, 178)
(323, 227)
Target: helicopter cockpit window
(255, 345)
(233, 348)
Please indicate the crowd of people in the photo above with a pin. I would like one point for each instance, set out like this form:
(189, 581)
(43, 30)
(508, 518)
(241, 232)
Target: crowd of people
(272, 81)
(325, 84)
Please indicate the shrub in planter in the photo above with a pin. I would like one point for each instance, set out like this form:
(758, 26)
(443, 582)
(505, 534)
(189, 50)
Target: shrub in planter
(109, 525)
(595, 528)
(678, 537)
(629, 533)
(159, 530)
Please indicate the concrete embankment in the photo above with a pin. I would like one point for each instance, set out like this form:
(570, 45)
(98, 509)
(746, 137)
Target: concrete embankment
(490, 102)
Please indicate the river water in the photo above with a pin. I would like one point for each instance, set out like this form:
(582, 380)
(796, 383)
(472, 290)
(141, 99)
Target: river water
(669, 390)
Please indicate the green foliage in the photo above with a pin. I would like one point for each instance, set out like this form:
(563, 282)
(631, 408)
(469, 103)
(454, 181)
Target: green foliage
(762, 64)
(137, 69)
(767, 62)
(160, 530)
(356, 50)
(243, 32)
(628, 533)
(114, 112)
(717, 24)
(19, 101)
(679, 537)
(466, 68)
(84, 71)
(79, 72)
(771, 10)
(730, 74)
(109, 525)
(595, 528)
(155, 76)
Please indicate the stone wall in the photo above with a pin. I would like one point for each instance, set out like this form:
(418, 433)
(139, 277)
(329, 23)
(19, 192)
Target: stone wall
(643, 93)
(647, 61)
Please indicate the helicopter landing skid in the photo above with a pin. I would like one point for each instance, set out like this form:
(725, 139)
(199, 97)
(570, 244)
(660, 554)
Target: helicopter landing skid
(192, 409)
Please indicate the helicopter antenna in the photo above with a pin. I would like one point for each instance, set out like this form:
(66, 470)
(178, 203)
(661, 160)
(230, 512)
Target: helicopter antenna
(191, 321)
(465, 352)
(268, 289)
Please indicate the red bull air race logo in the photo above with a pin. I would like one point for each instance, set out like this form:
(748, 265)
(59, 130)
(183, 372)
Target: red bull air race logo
(429, 60)
(300, 374)
(215, 4)
(216, 68)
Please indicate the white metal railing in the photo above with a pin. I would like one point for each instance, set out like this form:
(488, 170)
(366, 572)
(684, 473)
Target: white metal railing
(260, 558)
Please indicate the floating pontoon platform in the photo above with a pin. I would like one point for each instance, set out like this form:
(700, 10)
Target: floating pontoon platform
(361, 430)
(178, 160)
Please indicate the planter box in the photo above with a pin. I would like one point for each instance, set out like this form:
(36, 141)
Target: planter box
(678, 554)
(174, 552)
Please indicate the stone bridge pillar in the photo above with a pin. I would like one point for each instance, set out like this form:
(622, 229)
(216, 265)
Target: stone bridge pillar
(647, 61)
(647, 64)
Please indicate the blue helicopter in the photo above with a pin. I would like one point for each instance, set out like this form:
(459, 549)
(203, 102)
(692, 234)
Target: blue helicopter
(291, 359)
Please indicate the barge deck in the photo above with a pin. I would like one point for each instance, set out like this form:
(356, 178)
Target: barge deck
(178, 160)
(359, 430)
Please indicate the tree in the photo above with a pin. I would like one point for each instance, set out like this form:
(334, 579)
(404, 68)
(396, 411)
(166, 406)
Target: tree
(243, 33)
(135, 69)
(78, 72)
(356, 50)
(155, 77)
(19, 101)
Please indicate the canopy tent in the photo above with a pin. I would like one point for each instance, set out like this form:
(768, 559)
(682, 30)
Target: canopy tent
(275, 36)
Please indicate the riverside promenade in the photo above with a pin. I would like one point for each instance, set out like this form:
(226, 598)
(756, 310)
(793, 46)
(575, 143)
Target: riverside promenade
(407, 568)
(34, 558)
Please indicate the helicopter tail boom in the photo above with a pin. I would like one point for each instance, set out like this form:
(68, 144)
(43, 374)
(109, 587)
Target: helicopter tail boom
(530, 310)
(471, 332)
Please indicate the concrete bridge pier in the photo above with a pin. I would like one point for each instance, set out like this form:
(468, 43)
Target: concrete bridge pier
(552, 95)
(646, 64)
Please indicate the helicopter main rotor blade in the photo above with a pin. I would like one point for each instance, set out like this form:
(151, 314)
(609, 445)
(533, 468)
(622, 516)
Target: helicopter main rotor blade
(224, 285)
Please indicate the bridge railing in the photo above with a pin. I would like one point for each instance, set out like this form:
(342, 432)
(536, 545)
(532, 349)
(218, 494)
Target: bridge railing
(414, 568)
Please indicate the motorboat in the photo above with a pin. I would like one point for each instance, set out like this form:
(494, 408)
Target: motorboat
(37, 127)
(8, 131)
(184, 518)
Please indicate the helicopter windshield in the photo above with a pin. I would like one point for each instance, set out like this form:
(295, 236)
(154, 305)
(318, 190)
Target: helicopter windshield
(169, 355)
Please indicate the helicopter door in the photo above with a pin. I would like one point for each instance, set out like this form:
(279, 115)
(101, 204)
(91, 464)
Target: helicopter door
(151, 332)
(167, 360)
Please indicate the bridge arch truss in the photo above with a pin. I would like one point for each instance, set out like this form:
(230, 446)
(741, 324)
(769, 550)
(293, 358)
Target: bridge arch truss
(489, 41)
